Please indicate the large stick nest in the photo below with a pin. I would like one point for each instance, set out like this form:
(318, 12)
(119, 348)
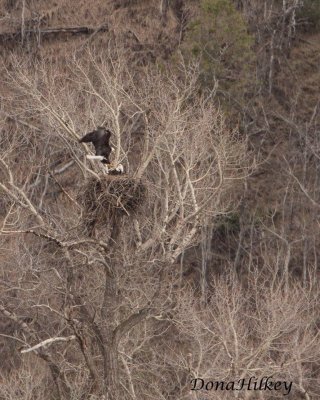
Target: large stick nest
(112, 196)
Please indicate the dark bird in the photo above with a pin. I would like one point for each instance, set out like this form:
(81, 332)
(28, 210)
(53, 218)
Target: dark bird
(100, 139)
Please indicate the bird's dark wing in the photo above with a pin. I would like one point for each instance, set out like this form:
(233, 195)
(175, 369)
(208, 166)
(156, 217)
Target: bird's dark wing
(100, 139)
(101, 143)
(89, 137)
(103, 149)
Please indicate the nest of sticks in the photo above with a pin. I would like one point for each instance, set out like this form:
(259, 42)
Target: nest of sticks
(112, 196)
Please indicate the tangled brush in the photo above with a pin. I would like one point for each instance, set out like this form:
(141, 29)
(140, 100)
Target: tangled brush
(111, 196)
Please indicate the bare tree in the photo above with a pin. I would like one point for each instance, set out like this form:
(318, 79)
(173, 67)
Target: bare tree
(94, 290)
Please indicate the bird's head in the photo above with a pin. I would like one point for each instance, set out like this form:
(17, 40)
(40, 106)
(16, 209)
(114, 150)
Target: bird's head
(103, 129)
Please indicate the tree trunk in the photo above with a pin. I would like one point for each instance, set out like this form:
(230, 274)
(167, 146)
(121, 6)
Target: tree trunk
(164, 5)
(111, 372)
(111, 365)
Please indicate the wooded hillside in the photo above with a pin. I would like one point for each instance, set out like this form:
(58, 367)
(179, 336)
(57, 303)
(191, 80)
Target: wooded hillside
(201, 260)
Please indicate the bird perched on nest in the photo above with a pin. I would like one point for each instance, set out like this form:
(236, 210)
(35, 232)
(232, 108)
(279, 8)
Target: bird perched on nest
(100, 139)
(115, 170)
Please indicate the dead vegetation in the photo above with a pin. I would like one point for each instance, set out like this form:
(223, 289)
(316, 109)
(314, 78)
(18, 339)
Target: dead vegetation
(191, 204)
